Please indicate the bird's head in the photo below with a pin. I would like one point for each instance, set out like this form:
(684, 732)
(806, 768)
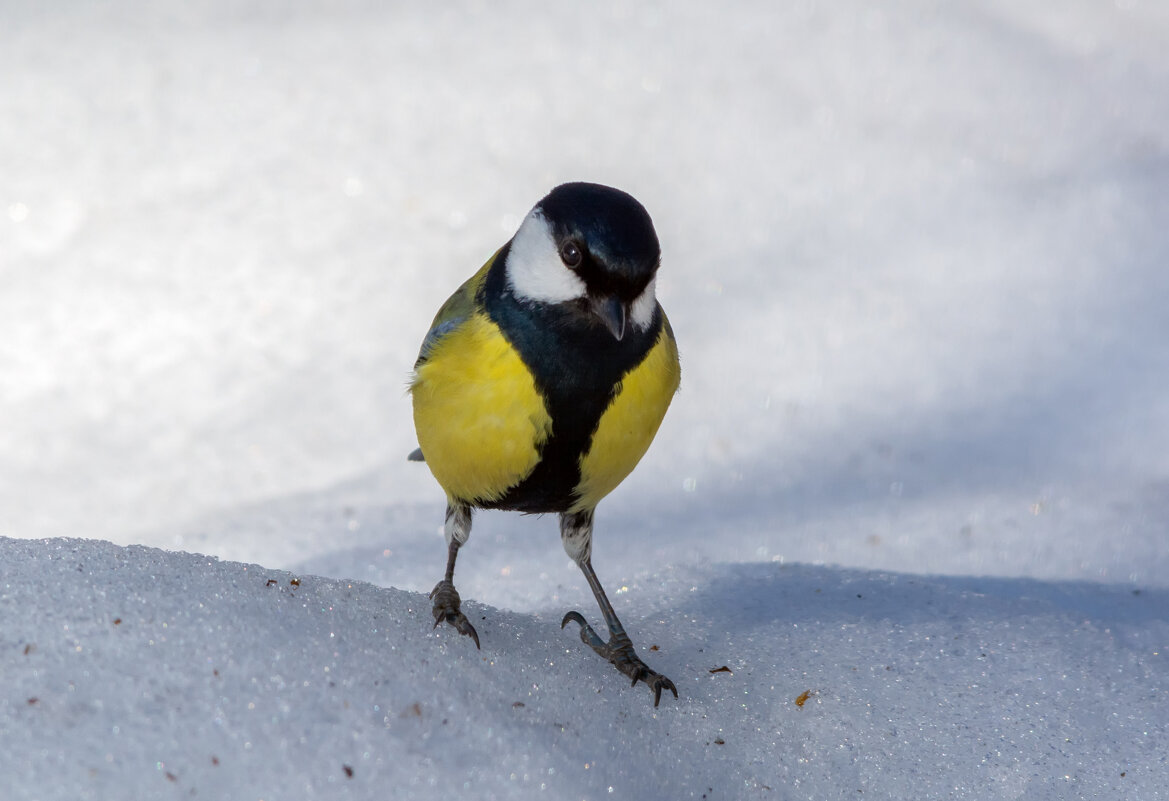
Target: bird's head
(591, 247)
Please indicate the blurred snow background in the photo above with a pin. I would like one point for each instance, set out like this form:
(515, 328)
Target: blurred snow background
(915, 255)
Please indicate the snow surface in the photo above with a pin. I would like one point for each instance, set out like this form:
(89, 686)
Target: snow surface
(918, 471)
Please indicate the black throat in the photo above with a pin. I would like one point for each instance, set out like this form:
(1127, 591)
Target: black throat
(577, 366)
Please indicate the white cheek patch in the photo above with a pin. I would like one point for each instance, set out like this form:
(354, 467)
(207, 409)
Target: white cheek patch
(534, 268)
(641, 312)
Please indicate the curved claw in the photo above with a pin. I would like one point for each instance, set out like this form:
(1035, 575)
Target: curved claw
(575, 617)
(446, 607)
(463, 626)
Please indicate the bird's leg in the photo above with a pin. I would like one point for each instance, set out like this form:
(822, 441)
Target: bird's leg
(576, 534)
(445, 596)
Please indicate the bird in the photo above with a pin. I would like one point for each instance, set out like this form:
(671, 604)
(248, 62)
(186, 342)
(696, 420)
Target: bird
(542, 382)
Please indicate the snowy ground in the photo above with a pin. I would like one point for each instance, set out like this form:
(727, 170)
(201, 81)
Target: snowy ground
(919, 469)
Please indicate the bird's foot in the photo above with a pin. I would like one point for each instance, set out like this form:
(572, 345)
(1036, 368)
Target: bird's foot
(619, 651)
(446, 607)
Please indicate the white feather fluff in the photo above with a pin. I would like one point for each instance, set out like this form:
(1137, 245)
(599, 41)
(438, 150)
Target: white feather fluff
(641, 312)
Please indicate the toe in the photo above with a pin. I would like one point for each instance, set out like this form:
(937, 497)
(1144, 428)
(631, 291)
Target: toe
(660, 683)
(463, 626)
(587, 635)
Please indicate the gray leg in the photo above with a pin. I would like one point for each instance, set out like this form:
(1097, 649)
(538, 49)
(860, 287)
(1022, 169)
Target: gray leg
(445, 596)
(576, 532)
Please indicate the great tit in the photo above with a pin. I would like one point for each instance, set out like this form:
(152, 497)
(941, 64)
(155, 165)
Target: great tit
(542, 382)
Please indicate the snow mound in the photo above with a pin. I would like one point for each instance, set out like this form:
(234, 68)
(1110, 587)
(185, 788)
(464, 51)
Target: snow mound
(138, 673)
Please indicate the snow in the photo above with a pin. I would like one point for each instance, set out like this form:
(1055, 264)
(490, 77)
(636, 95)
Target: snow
(154, 674)
(917, 476)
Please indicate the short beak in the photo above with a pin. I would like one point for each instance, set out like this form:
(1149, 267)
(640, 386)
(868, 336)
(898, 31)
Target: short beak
(612, 313)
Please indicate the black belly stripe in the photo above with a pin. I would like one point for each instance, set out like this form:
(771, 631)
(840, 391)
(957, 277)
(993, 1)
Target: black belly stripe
(577, 366)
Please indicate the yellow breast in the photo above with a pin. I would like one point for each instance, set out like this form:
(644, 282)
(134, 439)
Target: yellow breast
(479, 418)
(630, 422)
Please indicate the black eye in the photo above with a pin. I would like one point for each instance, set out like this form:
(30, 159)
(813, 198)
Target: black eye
(571, 255)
